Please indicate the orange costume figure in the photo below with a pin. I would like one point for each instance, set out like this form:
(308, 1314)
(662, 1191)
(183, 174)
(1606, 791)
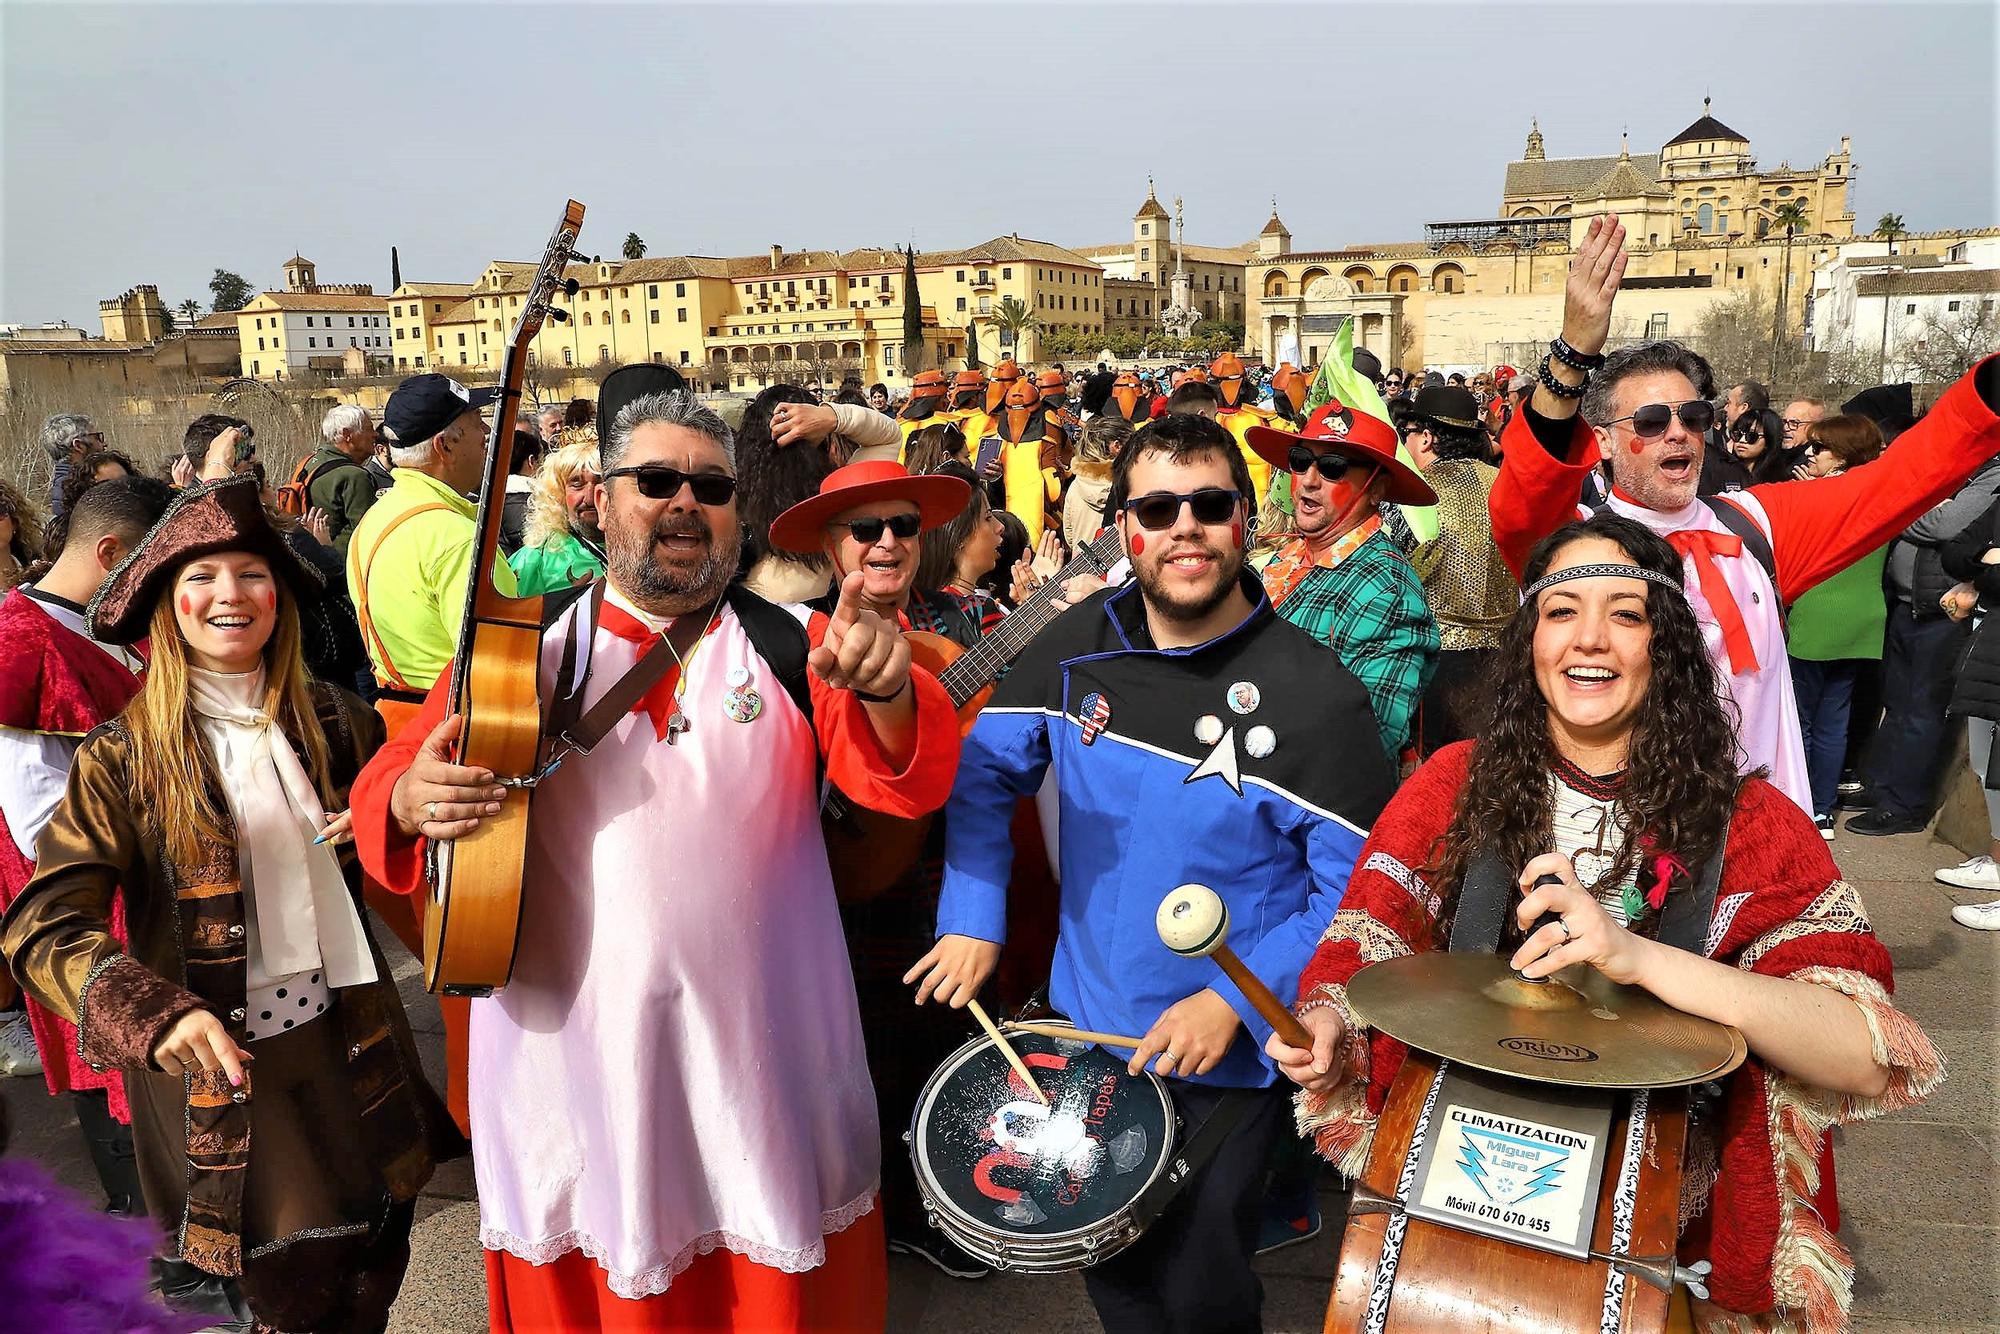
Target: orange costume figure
(978, 423)
(1128, 401)
(1238, 416)
(925, 405)
(1289, 387)
(1031, 449)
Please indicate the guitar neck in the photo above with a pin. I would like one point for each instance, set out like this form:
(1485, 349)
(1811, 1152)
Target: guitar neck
(982, 664)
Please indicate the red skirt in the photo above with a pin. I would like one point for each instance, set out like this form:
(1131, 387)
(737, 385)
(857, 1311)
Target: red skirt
(848, 1294)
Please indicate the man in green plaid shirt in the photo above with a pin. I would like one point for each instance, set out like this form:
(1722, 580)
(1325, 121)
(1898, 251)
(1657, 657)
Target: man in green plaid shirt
(1339, 578)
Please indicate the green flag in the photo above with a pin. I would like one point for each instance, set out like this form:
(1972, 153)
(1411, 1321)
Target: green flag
(1338, 381)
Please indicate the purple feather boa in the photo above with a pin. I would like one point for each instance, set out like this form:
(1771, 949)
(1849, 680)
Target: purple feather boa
(65, 1266)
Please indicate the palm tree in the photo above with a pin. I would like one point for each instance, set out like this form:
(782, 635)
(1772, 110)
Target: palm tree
(634, 247)
(190, 310)
(1791, 215)
(1889, 227)
(1015, 319)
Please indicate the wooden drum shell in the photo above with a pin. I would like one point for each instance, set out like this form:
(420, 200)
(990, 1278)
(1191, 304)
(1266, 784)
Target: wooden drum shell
(1449, 1281)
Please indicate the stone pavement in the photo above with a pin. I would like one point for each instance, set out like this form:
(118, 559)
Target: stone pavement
(1920, 1192)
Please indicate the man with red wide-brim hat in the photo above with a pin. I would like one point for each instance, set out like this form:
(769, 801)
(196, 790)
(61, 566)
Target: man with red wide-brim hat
(1338, 577)
(868, 520)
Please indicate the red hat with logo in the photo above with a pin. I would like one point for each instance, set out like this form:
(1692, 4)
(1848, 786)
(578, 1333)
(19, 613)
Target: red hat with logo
(802, 528)
(1359, 436)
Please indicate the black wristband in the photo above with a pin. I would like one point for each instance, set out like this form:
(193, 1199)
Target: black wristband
(1575, 360)
(1558, 388)
(867, 698)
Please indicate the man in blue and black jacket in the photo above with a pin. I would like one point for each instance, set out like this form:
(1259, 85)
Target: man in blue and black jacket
(1196, 737)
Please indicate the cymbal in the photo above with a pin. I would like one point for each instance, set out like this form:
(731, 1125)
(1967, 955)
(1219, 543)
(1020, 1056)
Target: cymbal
(1576, 1028)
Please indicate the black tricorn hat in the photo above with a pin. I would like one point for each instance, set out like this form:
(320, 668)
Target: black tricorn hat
(203, 520)
(630, 382)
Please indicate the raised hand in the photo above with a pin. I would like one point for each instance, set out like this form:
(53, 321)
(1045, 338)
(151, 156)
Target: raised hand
(792, 423)
(861, 651)
(438, 799)
(1594, 276)
(954, 970)
(319, 524)
(1582, 933)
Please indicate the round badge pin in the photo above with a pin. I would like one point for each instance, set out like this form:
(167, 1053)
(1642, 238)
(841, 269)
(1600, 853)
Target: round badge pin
(1244, 697)
(743, 704)
(736, 676)
(1260, 742)
(1208, 729)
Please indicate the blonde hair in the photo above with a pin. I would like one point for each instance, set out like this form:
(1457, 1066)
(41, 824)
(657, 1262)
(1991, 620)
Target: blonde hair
(548, 511)
(172, 774)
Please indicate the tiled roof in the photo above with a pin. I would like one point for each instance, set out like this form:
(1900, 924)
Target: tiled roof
(1274, 228)
(1933, 282)
(1152, 208)
(222, 319)
(1567, 175)
(319, 301)
(1624, 181)
(1900, 261)
(433, 289)
(1214, 254)
(1025, 248)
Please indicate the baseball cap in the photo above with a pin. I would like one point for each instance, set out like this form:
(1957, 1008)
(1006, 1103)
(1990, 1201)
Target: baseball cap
(423, 406)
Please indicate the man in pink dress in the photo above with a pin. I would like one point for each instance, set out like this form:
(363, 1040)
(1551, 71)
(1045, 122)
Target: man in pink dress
(672, 1122)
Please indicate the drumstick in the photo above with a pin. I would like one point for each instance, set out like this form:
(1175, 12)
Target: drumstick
(1007, 1050)
(1073, 1034)
(1194, 921)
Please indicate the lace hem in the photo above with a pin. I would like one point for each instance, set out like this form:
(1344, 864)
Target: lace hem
(652, 1282)
(1337, 1122)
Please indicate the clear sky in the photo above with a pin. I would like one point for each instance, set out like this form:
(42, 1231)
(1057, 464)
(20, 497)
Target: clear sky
(154, 143)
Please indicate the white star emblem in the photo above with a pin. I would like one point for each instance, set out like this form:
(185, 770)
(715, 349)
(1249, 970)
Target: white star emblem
(1222, 762)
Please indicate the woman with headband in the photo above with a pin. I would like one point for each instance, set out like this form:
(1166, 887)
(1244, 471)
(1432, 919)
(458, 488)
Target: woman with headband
(1610, 764)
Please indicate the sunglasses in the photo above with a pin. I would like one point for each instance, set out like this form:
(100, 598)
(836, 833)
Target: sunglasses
(1331, 466)
(1211, 505)
(869, 531)
(657, 483)
(1697, 415)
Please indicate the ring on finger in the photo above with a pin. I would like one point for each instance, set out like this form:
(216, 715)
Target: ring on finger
(431, 811)
(1563, 922)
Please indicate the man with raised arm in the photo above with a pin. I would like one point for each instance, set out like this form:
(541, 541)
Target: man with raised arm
(1748, 555)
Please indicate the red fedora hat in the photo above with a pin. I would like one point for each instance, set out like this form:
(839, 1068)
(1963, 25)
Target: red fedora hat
(802, 528)
(1356, 433)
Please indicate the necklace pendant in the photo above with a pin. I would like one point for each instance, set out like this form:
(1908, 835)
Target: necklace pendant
(676, 725)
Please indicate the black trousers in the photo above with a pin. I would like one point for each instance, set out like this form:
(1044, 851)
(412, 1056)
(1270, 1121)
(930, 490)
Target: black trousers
(1190, 1271)
(1918, 659)
(110, 1144)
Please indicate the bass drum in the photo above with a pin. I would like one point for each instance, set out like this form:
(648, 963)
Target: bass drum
(1033, 1188)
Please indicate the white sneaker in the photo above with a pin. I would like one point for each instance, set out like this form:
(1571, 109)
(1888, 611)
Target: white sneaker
(1826, 826)
(1972, 873)
(1978, 916)
(17, 1047)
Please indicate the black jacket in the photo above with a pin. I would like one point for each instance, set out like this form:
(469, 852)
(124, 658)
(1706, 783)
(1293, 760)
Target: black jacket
(1976, 692)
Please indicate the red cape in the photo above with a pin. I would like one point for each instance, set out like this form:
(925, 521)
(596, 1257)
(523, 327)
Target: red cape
(52, 679)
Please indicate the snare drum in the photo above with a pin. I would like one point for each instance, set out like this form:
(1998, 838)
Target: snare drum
(1032, 1188)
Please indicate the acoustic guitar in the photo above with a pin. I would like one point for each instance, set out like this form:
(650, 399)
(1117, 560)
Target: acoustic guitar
(870, 851)
(474, 913)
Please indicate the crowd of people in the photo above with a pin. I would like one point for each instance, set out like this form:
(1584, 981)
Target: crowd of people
(957, 686)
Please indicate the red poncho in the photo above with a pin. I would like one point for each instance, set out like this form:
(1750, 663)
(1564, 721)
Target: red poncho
(1757, 1199)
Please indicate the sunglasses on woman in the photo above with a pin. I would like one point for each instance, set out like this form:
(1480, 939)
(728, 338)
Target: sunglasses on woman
(657, 483)
(869, 531)
(1331, 466)
(1159, 509)
(1697, 415)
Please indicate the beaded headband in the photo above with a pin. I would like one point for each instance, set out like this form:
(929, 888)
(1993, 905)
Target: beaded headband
(1672, 581)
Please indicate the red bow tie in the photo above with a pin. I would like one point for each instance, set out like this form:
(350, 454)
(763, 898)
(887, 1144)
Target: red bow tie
(658, 702)
(1702, 547)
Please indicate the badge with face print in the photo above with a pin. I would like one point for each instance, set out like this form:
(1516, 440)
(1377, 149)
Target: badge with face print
(743, 703)
(1244, 697)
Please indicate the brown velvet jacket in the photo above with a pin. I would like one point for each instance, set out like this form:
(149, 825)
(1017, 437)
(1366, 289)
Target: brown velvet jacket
(187, 953)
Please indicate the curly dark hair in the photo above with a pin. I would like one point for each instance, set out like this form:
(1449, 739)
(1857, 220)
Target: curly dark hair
(1681, 775)
(770, 480)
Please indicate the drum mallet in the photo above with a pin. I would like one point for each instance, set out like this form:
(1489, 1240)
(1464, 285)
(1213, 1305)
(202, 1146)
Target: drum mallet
(1194, 921)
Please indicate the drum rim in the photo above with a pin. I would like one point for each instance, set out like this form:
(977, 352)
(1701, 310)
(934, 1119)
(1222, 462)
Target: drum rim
(941, 1205)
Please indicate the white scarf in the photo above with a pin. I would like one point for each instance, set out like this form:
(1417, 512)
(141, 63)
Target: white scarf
(304, 916)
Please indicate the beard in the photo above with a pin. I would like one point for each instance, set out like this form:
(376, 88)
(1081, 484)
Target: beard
(669, 589)
(1183, 604)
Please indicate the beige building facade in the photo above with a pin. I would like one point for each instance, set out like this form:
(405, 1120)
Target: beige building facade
(310, 327)
(745, 322)
(1216, 274)
(1699, 220)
